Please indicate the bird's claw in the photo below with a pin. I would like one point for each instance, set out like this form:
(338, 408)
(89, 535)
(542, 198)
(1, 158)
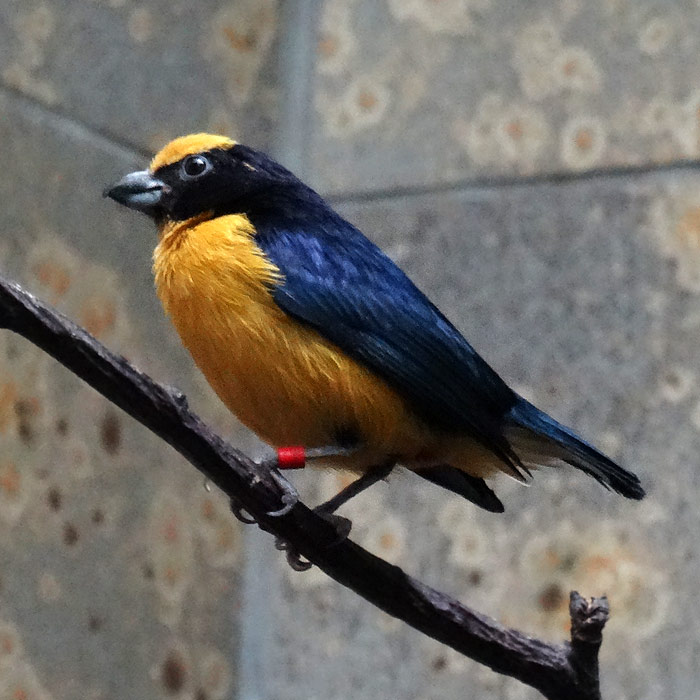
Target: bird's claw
(289, 500)
(239, 511)
(290, 496)
(341, 525)
(294, 559)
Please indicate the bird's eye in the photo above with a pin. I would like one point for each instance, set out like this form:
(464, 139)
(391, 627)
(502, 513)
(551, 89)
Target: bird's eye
(194, 166)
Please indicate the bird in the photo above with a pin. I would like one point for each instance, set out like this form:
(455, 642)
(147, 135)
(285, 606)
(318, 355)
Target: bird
(319, 343)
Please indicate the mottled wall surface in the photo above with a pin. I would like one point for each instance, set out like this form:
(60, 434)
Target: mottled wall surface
(416, 92)
(484, 145)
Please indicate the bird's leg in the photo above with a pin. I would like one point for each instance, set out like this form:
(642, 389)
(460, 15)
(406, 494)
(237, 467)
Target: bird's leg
(369, 478)
(290, 458)
(290, 496)
(327, 510)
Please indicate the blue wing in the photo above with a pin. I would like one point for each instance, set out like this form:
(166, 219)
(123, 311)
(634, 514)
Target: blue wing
(341, 284)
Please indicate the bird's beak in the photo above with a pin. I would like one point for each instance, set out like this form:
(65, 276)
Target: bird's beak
(140, 191)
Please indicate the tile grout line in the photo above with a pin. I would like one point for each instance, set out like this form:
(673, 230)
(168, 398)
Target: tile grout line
(504, 182)
(296, 75)
(74, 125)
(291, 146)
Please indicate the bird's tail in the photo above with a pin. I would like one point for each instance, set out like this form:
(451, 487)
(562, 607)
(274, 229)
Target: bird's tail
(539, 440)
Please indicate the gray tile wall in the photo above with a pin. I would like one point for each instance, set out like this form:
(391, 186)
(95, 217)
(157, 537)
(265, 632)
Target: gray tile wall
(526, 164)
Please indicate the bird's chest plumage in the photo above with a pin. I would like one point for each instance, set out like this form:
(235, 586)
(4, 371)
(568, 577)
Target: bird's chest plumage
(282, 379)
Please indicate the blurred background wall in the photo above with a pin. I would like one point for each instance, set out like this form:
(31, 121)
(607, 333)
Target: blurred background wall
(531, 165)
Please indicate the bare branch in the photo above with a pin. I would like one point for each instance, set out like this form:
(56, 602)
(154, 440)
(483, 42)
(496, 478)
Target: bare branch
(567, 671)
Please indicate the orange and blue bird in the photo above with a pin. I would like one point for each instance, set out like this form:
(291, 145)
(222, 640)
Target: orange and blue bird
(314, 338)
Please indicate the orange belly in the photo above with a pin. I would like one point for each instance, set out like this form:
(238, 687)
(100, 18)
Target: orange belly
(283, 380)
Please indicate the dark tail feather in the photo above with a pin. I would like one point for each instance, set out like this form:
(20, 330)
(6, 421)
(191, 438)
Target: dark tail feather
(547, 438)
(461, 483)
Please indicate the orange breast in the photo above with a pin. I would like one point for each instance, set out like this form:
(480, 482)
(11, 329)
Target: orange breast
(281, 379)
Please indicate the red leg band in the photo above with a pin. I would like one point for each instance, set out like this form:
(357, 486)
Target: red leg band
(293, 457)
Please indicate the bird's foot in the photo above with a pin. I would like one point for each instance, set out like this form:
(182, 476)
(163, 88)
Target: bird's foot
(327, 510)
(294, 559)
(341, 525)
(295, 457)
(289, 497)
(241, 514)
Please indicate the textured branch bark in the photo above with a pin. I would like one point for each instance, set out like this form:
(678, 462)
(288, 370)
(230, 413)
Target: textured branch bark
(567, 671)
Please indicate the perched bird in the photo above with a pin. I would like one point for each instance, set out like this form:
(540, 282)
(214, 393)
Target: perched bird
(313, 337)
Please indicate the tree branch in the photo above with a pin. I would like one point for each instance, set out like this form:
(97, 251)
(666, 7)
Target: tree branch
(566, 671)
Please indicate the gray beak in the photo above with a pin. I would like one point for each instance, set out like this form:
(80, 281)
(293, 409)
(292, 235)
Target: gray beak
(140, 191)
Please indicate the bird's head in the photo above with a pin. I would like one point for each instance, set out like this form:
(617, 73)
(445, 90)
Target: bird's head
(201, 173)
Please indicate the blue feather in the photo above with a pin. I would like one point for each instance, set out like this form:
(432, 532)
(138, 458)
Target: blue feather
(562, 443)
(344, 286)
(341, 284)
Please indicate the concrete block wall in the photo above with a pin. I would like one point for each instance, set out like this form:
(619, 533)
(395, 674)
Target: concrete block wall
(532, 166)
